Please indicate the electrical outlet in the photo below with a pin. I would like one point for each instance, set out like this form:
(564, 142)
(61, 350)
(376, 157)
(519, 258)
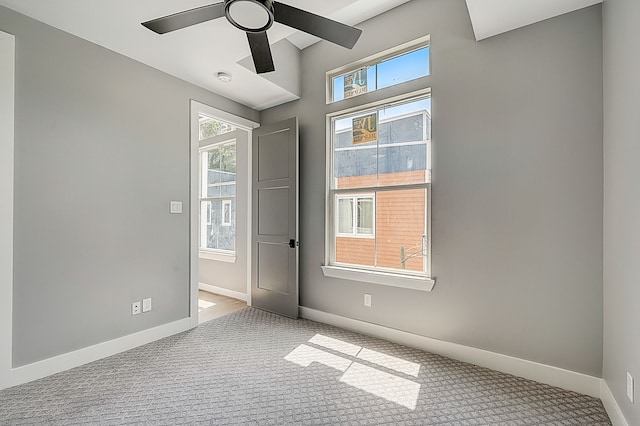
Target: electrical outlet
(630, 386)
(135, 308)
(146, 305)
(367, 300)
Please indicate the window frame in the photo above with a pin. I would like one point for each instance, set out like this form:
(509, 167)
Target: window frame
(378, 275)
(375, 59)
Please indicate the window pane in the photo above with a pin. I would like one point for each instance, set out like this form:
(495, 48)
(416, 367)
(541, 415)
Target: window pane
(215, 234)
(379, 75)
(222, 160)
(355, 251)
(218, 216)
(398, 156)
(210, 127)
(404, 134)
(401, 229)
(403, 68)
(354, 164)
(365, 216)
(339, 88)
(345, 216)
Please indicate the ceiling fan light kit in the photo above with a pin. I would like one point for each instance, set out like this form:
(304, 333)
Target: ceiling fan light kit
(250, 15)
(255, 17)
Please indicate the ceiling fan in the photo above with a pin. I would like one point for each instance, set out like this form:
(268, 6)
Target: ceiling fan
(255, 17)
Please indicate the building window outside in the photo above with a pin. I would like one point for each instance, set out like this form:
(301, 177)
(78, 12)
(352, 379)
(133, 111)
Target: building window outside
(355, 215)
(226, 213)
(218, 197)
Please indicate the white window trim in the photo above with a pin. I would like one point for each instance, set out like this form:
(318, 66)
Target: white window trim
(382, 278)
(218, 255)
(407, 281)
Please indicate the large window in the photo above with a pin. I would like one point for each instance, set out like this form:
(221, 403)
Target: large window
(378, 222)
(379, 187)
(218, 195)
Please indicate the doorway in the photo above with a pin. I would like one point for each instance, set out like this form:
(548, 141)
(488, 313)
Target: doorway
(220, 212)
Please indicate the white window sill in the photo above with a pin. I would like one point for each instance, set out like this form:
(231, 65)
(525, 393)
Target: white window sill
(220, 257)
(383, 278)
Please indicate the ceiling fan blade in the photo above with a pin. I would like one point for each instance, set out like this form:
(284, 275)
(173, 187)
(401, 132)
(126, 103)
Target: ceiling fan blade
(316, 25)
(261, 52)
(186, 18)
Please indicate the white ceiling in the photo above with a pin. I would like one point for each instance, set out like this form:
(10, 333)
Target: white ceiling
(198, 53)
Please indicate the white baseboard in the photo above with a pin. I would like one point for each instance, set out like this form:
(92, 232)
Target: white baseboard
(63, 362)
(611, 405)
(554, 376)
(224, 292)
(570, 380)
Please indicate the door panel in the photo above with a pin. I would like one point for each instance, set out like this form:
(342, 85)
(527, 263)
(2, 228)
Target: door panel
(274, 270)
(270, 259)
(271, 164)
(273, 215)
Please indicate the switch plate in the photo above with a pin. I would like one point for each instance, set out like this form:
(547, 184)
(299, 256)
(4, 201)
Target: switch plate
(367, 300)
(175, 207)
(146, 305)
(630, 386)
(135, 308)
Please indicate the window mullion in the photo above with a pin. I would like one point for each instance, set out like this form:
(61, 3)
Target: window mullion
(231, 197)
(354, 216)
(375, 229)
(339, 191)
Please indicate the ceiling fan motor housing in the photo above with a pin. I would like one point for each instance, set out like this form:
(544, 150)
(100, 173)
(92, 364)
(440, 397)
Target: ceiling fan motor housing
(253, 16)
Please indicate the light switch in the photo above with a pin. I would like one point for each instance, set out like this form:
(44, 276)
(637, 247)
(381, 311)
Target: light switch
(175, 207)
(146, 305)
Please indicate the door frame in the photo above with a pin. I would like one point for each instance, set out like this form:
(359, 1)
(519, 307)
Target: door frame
(194, 196)
(7, 156)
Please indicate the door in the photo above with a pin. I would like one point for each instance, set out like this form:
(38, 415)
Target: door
(274, 269)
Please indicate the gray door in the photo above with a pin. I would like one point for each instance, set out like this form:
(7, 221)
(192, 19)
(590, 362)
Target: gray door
(274, 269)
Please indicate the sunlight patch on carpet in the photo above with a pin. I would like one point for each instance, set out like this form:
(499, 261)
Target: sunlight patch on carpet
(393, 388)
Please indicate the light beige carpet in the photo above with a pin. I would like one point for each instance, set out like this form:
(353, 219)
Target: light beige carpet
(252, 367)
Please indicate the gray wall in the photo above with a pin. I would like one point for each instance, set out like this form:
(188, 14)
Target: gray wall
(517, 185)
(233, 276)
(101, 147)
(621, 201)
